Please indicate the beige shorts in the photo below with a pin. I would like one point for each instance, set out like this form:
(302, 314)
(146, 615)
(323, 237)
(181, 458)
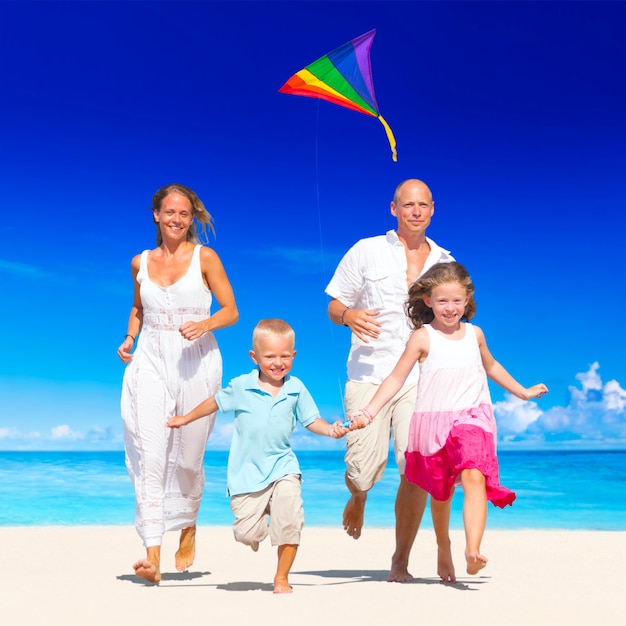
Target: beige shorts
(281, 501)
(368, 448)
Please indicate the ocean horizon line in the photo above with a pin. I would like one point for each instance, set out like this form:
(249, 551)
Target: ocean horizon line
(565, 489)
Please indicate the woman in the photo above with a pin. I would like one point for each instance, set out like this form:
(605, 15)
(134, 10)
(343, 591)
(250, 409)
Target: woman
(175, 366)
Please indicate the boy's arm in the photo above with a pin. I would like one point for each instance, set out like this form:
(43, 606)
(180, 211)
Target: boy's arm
(500, 376)
(322, 427)
(205, 408)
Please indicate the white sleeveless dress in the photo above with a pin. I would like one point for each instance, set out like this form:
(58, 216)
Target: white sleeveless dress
(453, 427)
(168, 376)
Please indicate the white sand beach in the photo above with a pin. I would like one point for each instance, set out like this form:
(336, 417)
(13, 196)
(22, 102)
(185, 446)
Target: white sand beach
(66, 576)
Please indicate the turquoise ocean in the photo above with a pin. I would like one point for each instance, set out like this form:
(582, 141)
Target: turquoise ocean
(564, 489)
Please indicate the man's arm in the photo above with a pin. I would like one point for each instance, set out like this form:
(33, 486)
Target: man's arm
(362, 322)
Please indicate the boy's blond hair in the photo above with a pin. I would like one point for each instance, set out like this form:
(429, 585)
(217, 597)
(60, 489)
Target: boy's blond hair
(272, 327)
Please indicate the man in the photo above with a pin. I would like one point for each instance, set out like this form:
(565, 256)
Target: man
(368, 294)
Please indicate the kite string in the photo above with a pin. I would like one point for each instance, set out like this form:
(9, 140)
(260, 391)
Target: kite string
(321, 236)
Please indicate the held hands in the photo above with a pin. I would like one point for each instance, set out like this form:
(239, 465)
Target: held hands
(337, 430)
(536, 391)
(359, 419)
(362, 322)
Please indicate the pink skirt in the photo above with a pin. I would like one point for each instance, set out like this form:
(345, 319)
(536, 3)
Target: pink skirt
(467, 447)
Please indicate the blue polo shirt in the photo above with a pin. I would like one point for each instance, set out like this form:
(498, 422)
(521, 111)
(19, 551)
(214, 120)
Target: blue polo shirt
(260, 452)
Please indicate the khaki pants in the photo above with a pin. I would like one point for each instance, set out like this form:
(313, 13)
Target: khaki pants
(368, 448)
(281, 501)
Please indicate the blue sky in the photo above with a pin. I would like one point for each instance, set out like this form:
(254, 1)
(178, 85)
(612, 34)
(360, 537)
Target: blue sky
(513, 112)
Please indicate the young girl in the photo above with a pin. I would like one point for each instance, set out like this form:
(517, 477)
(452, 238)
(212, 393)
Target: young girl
(452, 437)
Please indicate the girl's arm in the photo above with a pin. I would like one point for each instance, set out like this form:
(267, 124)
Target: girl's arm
(207, 407)
(322, 427)
(215, 276)
(499, 375)
(135, 319)
(416, 350)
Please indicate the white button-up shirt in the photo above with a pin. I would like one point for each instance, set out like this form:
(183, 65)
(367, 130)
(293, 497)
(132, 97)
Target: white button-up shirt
(372, 275)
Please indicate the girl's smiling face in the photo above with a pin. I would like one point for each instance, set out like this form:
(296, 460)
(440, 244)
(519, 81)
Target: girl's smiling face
(448, 302)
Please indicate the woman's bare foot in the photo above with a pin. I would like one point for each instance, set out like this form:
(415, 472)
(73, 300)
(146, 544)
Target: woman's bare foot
(148, 570)
(445, 565)
(186, 549)
(353, 516)
(150, 567)
(281, 585)
(475, 562)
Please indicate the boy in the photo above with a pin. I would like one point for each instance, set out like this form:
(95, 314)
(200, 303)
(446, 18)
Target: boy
(263, 475)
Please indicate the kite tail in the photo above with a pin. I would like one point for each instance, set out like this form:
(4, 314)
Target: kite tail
(390, 137)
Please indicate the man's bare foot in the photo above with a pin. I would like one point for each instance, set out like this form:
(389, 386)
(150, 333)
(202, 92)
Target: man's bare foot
(475, 562)
(148, 570)
(399, 574)
(186, 549)
(353, 516)
(281, 585)
(445, 566)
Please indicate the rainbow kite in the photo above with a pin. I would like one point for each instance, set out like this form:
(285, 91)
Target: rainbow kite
(343, 77)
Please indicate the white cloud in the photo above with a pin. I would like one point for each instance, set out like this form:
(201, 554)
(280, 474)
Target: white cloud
(515, 415)
(64, 432)
(62, 437)
(8, 433)
(594, 415)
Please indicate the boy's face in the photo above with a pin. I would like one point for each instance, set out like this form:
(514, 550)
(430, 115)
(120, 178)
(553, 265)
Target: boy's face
(274, 356)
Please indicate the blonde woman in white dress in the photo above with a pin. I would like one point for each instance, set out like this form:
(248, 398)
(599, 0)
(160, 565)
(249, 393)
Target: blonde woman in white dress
(175, 365)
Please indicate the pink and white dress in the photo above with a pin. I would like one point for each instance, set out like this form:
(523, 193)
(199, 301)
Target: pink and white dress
(453, 427)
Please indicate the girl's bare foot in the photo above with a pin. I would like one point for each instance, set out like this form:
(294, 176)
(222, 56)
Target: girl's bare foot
(186, 549)
(148, 570)
(445, 566)
(475, 562)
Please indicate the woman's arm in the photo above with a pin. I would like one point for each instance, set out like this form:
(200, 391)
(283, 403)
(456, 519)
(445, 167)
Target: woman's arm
(135, 319)
(217, 281)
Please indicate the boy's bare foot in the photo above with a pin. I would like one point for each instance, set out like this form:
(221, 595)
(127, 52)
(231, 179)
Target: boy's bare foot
(148, 570)
(281, 585)
(475, 562)
(445, 566)
(186, 549)
(353, 516)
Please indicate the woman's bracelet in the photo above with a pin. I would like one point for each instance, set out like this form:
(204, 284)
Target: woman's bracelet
(343, 315)
(129, 335)
(368, 415)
